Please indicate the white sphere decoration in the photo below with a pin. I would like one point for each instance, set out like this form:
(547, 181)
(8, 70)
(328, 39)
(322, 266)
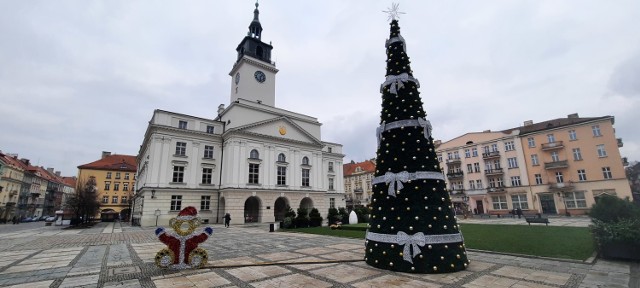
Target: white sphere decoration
(353, 218)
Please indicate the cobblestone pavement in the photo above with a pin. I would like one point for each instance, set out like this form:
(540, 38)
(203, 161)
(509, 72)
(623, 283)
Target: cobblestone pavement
(117, 255)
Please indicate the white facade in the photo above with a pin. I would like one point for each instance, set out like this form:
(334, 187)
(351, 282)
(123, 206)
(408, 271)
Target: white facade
(252, 161)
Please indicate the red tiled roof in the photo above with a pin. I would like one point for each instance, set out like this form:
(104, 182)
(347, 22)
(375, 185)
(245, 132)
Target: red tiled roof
(113, 162)
(350, 168)
(13, 161)
(70, 181)
(554, 123)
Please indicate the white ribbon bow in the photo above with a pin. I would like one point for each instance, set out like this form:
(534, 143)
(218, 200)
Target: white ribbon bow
(413, 241)
(395, 181)
(397, 82)
(426, 125)
(379, 131)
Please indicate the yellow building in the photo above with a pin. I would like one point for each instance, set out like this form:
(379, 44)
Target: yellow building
(115, 179)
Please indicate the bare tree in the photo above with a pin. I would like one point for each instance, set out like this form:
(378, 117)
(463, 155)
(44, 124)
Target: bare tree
(84, 202)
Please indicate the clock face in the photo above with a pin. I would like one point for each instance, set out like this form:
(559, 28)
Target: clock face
(260, 77)
(237, 78)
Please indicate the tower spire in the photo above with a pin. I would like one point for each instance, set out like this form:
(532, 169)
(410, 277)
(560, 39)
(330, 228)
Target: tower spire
(255, 29)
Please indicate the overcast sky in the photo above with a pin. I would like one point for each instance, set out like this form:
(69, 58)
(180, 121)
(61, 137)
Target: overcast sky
(81, 77)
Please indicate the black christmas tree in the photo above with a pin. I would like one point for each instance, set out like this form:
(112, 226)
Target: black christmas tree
(413, 226)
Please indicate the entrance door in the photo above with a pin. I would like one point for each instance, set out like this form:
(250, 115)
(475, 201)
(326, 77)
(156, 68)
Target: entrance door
(280, 208)
(479, 206)
(547, 204)
(252, 210)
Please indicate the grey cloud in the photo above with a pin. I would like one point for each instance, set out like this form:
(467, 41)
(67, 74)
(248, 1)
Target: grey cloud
(625, 79)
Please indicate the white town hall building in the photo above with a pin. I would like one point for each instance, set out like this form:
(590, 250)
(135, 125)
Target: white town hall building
(251, 161)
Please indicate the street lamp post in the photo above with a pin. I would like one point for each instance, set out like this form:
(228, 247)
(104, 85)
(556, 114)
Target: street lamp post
(566, 211)
(157, 213)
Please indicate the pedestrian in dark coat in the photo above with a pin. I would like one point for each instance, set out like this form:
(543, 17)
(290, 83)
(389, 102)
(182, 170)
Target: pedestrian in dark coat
(227, 220)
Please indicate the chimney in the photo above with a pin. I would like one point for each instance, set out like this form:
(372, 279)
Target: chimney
(437, 142)
(50, 170)
(486, 131)
(528, 122)
(220, 109)
(571, 116)
(105, 154)
(58, 173)
(25, 161)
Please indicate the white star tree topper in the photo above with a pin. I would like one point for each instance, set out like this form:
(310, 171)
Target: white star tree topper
(393, 12)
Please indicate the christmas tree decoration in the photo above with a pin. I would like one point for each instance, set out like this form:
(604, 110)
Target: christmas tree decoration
(182, 250)
(413, 226)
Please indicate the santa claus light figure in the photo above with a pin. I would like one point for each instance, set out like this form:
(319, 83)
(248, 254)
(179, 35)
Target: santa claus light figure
(182, 250)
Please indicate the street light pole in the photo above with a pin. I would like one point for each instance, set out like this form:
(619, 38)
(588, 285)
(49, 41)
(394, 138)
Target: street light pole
(157, 213)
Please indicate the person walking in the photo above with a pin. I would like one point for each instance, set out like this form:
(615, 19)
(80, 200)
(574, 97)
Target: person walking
(227, 220)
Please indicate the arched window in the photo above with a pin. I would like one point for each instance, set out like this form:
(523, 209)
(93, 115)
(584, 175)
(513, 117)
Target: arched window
(254, 154)
(281, 158)
(305, 160)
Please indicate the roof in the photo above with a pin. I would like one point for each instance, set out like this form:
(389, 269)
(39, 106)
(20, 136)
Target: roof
(14, 162)
(555, 123)
(366, 166)
(70, 181)
(113, 162)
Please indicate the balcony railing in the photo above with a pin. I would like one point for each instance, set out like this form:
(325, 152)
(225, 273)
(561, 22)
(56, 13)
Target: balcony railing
(556, 164)
(455, 175)
(495, 189)
(563, 186)
(620, 144)
(454, 161)
(495, 171)
(552, 145)
(492, 154)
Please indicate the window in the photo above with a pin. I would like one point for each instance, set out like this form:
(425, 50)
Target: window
(499, 182)
(572, 135)
(305, 177)
(330, 149)
(577, 156)
(125, 186)
(207, 174)
(476, 167)
(496, 164)
(515, 181)
(538, 179)
(282, 175)
(108, 175)
(499, 202)
(456, 155)
(555, 157)
(575, 200)
(178, 174)
(492, 182)
(105, 199)
(205, 202)
(439, 158)
(532, 142)
(208, 152)
(305, 160)
(254, 154)
(182, 124)
(117, 175)
(210, 129)
(596, 130)
(126, 176)
(123, 199)
(181, 148)
(601, 151)
(116, 186)
(332, 202)
(494, 147)
(467, 153)
(559, 177)
(534, 160)
(551, 138)
(513, 162)
(282, 158)
(606, 173)
(330, 166)
(253, 173)
(469, 168)
(509, 146)
(472, 185)
(176, 202)
(582, 175)
(520, 201)
(114, 200)
(474, 152)
(107, 185)
(479, 184)
(330, 183)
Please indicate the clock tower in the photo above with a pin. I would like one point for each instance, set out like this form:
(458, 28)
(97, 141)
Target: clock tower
(253, 76)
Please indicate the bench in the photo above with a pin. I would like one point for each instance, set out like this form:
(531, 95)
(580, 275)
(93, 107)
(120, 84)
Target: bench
(537, 220)
(501, 214)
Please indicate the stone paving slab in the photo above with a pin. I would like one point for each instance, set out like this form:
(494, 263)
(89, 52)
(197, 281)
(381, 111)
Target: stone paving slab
(117, 255)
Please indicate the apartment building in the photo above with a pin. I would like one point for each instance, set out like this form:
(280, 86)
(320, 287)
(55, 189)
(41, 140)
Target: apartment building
(357, 182)
(559, 166)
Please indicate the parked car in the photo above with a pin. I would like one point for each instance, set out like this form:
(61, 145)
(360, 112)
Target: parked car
(43, 217)
(50, 219)
(27, 219)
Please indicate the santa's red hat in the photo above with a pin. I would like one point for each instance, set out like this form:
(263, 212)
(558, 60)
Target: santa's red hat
(188, 213)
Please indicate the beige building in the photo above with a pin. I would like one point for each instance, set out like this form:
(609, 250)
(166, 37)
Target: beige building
(357, 182)
(552, 167)
(115, 180)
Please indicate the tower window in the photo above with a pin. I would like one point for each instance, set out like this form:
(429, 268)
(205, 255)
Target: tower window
(259, 52)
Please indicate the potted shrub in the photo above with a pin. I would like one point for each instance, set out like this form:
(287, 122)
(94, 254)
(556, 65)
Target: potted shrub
(315, 220)
(616, 228)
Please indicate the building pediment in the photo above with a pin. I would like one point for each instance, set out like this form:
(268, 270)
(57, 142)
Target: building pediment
(279, 128)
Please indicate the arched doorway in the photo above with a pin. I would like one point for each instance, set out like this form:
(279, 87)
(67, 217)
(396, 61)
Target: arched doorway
(125, 214)
(280, 208)
(306, 203)
(252, 210)
(221, 210)
(108, 215)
